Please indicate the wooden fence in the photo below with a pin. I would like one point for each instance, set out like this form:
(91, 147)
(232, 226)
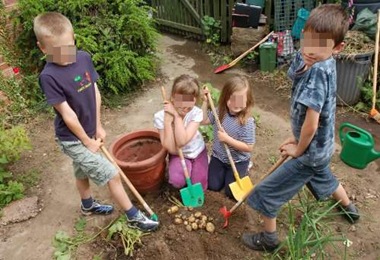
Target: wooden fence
(185, 16)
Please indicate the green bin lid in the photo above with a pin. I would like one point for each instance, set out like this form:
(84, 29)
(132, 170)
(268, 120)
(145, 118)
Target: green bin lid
(268, 45)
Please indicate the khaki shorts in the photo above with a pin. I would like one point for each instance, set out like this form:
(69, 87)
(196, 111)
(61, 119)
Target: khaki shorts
(88, 164)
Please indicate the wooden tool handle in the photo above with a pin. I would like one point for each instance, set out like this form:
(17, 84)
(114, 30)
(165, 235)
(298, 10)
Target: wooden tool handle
(221, 129)
(183, 163)
(127, 181)
(272, 169)
(249, 50)
(376, 62)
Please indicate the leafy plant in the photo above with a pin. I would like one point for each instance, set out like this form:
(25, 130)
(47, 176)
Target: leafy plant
(309, 232)
(17, 93)
(250, 58)
(366, 95)
(65, 246)
(130, 237)
(28, 179)
(207, 130)
(118, 34)
(12, 142)
(211, 29)
(10, 191)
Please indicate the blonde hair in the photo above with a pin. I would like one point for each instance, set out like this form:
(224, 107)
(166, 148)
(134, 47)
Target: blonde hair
(51, 25)
(232, 85)
(185, 85)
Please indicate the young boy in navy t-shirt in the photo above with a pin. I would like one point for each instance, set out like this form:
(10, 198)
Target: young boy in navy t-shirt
(68, 81)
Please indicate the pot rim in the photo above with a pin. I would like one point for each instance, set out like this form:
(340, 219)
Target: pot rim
(135, 135)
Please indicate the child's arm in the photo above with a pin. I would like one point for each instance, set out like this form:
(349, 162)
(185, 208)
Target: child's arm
(238, 145)
(72, 122)
(183, 134)
(100, 132)
(167, 134)
(308, 131)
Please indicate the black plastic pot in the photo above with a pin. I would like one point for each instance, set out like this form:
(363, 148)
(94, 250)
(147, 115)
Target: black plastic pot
(352, 71)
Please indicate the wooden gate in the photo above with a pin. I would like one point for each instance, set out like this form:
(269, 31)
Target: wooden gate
(185, 16)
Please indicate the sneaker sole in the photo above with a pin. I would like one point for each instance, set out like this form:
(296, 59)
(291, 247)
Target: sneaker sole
(89, 213)
(143, 230)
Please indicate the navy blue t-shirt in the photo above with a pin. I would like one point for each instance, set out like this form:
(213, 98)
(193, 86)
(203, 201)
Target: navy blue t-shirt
(74, 84)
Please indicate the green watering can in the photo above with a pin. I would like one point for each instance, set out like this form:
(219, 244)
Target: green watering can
(357, 146)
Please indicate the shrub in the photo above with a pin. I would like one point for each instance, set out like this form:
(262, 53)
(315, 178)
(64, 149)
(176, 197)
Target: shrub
(118, 34)
(12, 142)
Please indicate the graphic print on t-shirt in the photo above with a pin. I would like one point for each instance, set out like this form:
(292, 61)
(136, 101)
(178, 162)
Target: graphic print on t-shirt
(83, 82)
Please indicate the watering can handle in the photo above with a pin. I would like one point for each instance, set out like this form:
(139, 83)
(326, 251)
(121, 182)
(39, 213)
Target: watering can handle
(348, 125)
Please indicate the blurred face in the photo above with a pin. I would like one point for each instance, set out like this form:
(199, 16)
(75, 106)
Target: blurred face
(237, 101)
(61, 50)
(183, 103)
(316, 47)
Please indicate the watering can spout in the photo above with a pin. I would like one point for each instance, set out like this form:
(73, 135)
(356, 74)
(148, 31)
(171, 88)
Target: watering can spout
(373, 155)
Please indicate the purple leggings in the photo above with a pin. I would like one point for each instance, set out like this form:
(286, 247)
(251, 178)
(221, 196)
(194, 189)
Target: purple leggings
(197, 169)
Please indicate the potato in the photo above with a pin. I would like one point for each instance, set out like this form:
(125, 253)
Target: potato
(177, 215)
(194, 226)
(204, 218)
(188, 228)
(183, 217)
(190, 208)
(178, 221)
(210, 218)
(210, 227)
(186, 222)
(173, 209)
(202, 225)
(191, 219)
(197, 214)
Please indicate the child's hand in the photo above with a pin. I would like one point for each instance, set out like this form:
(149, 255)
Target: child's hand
(289, 149)
(290, 140)
(223, 136)
(205, 93)
(94, 145)
(169, 108)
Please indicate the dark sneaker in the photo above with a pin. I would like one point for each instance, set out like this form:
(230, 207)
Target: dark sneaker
(142, 222)
(350, 212)
(259, 242)
(97, 208)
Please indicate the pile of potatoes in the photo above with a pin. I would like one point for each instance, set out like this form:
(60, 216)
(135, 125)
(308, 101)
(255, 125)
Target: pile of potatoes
(192, 220)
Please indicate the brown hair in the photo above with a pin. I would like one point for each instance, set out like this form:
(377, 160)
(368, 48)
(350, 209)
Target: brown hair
(329, 19)
(232, 85)
(185, 85)
(51, 25)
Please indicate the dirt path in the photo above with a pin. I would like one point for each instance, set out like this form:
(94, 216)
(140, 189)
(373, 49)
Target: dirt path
(59, 200)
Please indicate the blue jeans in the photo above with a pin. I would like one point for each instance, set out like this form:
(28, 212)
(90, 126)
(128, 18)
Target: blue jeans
(279, 187)
(220, 175)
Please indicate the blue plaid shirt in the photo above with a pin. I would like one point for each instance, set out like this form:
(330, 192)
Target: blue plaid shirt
(314, 88)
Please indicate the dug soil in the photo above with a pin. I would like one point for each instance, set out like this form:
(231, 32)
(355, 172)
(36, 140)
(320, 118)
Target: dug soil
(58, 200)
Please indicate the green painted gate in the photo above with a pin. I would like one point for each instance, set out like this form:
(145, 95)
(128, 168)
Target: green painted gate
(185, 16)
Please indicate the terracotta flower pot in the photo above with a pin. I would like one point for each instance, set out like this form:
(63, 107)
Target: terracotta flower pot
(142, 158)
